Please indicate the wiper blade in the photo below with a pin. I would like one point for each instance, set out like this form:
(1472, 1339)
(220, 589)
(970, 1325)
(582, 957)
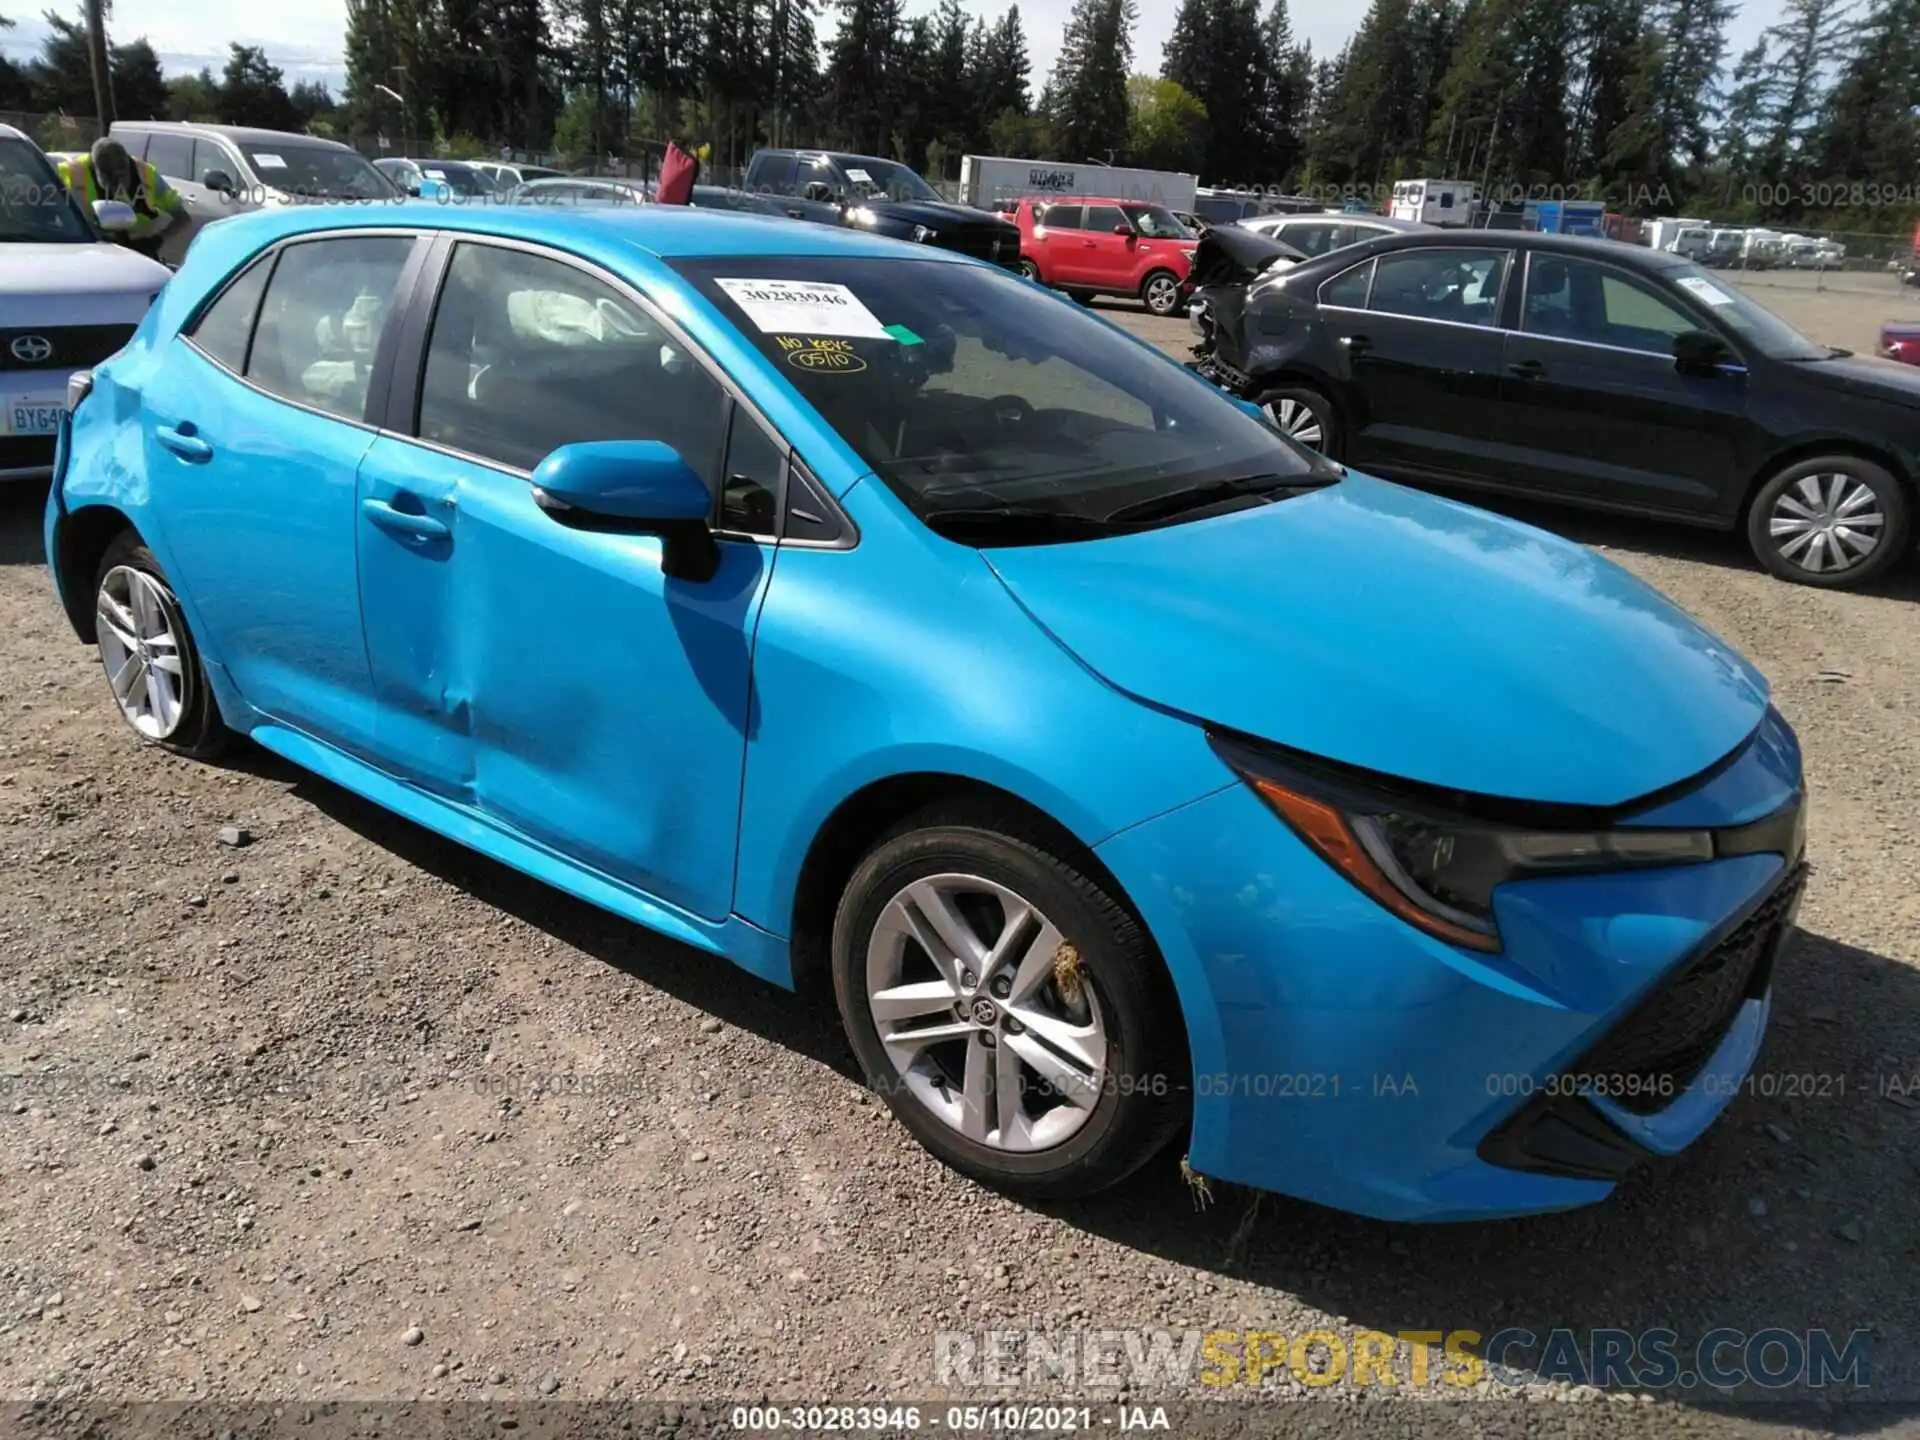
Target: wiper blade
(1215, 492)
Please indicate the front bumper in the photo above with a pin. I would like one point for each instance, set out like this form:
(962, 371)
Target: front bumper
(1346, 1058)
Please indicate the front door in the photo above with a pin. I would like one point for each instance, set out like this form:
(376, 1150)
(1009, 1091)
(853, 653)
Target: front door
(547, 675)
(1105, 259)
(1424, 361)
(1594, 408)
(257, 445)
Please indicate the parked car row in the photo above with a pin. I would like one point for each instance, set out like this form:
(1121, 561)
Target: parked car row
(1586, 372)
(1133, 771)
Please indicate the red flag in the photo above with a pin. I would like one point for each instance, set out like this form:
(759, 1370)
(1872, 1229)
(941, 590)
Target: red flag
(677, 174)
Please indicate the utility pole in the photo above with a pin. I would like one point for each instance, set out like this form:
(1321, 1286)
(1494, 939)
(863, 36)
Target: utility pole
(97, 63)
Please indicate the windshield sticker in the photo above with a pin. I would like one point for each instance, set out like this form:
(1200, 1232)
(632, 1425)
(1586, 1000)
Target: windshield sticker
(1704, 290)
(803, 307)
(904, 335)
(266, 161)
(820, 354)
(859, 177)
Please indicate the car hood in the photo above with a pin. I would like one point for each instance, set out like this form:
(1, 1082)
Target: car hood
(77, 268)
(1407, 635)
(933, 214)
(1865, 375)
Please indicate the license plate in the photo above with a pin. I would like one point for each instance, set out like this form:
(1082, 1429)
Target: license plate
(30, 417)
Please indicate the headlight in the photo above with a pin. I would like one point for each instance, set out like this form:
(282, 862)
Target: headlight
(862, 215)
(923, 233)
(1435, 870)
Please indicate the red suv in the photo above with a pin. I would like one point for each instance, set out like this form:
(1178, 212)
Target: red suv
(1107, 247)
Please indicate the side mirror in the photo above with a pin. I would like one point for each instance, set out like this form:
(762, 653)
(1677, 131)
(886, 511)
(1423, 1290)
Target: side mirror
(413, 192)
(113, 215)
(633, 485)
(818, 190)
(1695, 352)
(1126, 230)
(218, 180)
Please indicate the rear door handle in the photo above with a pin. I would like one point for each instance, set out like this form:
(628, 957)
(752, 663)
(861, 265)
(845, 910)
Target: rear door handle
(1356, 344)
(403, 522)
(797, 214)
(183, 442)
(1527, 369)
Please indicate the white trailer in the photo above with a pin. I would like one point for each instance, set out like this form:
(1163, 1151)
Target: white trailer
(1660, 234)
(990, 180)
(1435, 202)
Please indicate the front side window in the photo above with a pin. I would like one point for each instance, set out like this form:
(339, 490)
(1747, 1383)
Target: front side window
(1460, 286)
(208, 157)
(325, 308)
(995, 415)
(1573, 299)
(529, 353)
(1157, 224)
(1105, 219)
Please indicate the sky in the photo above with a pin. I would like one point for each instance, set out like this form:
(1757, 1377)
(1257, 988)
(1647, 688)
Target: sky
(306, 39)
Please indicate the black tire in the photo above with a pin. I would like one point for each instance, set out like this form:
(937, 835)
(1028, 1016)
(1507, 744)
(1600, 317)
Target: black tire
(1143, 1096)
(1160, 293)
(1791, 554)
(1031, 271)
(199, 733)
(1295, 408)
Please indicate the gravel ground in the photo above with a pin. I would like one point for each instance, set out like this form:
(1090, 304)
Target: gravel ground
(347, 1112)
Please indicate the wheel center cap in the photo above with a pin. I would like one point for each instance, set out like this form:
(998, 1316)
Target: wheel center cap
(985, 1012)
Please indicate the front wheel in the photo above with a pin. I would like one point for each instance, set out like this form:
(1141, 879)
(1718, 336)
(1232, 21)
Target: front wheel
(1030, 271)
(1160, 293)
(1832, 521)
(1013, 1015)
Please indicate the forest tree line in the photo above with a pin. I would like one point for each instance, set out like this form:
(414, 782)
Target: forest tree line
(1637, 102)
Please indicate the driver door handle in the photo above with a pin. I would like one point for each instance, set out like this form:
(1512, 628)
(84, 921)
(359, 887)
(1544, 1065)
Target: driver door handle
(1527, 369)
(1355, 344)
(183, 442)
(402, 522)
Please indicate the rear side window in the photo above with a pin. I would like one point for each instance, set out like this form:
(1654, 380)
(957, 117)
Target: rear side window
(322, 317)
(227, 324)
(1062, 217)
(1459, 286)
(1349, 287)
(528, 354)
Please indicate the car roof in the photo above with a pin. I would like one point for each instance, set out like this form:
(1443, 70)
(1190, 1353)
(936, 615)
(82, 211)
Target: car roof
(1088, 200)
(608, 234)
(243, 134)
(1456, 237)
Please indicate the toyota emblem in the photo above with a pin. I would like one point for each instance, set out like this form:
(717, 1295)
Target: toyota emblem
(32, 349)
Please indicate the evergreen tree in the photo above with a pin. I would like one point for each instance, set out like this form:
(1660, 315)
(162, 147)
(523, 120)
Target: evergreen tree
(1088, 88)
(1280, 119)
(1215, 55)
(253, 91)
(1868, 133)
(139, 87)
(1804, 47)
(862, 63)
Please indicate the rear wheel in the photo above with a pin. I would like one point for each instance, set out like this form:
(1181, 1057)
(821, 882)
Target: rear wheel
(1305, 415)
(1012, 1014)
(153, 667)
(1160, 293)
(1832, 521)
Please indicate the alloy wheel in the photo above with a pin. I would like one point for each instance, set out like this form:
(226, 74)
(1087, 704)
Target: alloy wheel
(1297, 420)
(1827, 523)
(1030, 270)
(1163, 294)
(983, 1008)
(139, 636)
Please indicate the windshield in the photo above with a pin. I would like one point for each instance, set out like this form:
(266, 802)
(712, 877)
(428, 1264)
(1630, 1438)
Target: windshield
(1766, 331)
(34, 206)
(1156, 223)
(312, 170)
(998, 415)
(459, 179)
(883, 179)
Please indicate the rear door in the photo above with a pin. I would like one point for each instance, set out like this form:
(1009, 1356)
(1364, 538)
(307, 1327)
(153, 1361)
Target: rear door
(1423, 359)
(1594, 406)
(255, 424)
(1056, 240)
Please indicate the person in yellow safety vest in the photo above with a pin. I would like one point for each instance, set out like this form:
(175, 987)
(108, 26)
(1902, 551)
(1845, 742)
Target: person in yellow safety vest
(108, 172)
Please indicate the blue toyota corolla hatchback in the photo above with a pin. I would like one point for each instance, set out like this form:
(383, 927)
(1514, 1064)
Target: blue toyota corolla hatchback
(818, 599)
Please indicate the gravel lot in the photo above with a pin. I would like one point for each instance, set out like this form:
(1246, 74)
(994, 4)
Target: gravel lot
(349, 1112)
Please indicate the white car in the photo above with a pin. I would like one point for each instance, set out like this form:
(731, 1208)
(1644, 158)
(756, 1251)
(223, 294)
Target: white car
(1315, 235)
(69, 298)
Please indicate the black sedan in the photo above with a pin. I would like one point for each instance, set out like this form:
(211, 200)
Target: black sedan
(1583, 371)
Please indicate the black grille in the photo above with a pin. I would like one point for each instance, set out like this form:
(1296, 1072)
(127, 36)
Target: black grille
(26, 452)
(1657, 1050)
(998, 243)
(66, 346)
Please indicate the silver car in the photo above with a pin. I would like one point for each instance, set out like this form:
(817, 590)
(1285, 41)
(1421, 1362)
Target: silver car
(222, 170)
